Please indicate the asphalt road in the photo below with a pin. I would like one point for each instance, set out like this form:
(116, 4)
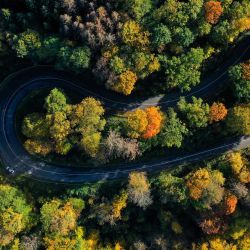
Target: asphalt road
(17, 86)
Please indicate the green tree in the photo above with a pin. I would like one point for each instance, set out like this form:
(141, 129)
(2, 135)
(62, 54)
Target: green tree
(161, 35)
(196, 113)
(117, 65)
(49, 49)
(26, 43)
(15, 213)
(80, 59)
(222, 34)
(138, 8)
(241, 83)
(183, 36)
(76, 59)
(184, 71)
(173, 130)
(56, 101)
(171, 189)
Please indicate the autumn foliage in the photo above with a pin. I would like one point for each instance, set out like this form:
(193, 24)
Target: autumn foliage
(139, 189)
(230, 203)
(241, 24)
(236, 162)
(118, 204)
(197, 182)
(239, 168)
(212, 225)
(154, 122)
(213, 11)
(246, 70)
(126, 82)
(144, 123)
(218, 112)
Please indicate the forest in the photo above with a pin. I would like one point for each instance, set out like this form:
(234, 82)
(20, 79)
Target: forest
(132, 49)
(199, 207)
(125, 43)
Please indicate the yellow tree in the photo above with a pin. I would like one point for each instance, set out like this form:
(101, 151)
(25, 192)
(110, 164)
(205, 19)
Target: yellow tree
(236, 162)
(59, 218)
(87, 119)
(118, 204)
(216, 243)
(197, 182)
(137, 123)
(239, 167)
(126, 82)
(238, 120)
(139, 189)
(133, 35)
(38, 147)
(60, 126)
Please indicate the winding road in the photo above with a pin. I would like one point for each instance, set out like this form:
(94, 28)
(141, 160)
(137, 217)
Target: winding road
(17, 86)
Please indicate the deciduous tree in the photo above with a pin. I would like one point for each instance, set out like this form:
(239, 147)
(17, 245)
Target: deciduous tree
(26, 43)
(86, 118)
(172, 189)
(56, 101)
(134, 35)
(238, 120)
(138, 8)
(230, 203)
(218, 112)
(15, 214)
(196, 113)
(184, 71)
(35, 126)
(173, 130)
(139, 189)
(154, 118)
(116, 146)
(239, 75)
(40, 147)
(213, 11)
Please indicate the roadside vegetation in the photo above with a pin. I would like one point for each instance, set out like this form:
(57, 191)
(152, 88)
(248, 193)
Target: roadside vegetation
(126, 43)
(130, 47)
(198, 206)
(62, 127)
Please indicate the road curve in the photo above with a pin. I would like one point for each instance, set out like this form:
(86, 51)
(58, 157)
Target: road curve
(17, 86)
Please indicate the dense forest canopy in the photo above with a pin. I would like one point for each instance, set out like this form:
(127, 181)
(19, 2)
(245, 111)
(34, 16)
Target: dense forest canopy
(124, 41)
(140, 47)
(196, 207)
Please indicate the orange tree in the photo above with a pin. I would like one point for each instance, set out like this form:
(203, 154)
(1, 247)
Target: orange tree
(218, 112)
(213, 11)
(144, 123)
